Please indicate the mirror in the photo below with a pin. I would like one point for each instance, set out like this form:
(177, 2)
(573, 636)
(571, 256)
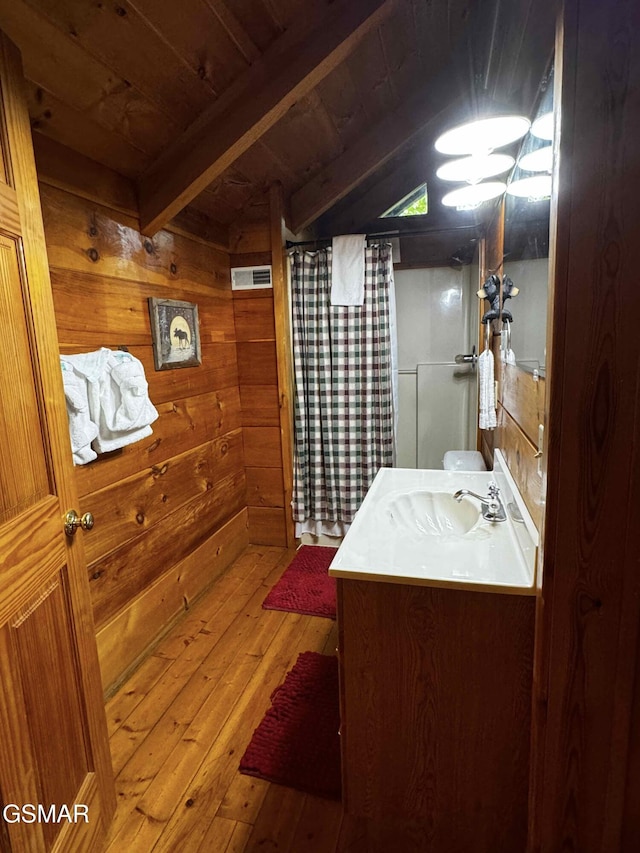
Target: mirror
(526, 237)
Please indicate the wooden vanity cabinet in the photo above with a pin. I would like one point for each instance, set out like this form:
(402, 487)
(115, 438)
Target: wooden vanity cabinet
(435, 699)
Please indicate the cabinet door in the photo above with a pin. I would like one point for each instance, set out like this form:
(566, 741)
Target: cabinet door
(54, 739)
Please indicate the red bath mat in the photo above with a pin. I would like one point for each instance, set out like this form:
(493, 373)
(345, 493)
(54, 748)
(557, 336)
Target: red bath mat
(297, 742)
(305, 587)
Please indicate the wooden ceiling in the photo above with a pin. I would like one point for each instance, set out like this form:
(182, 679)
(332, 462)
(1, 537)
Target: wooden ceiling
(203, 104)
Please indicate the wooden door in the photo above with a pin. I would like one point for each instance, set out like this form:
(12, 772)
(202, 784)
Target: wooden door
(54, 746)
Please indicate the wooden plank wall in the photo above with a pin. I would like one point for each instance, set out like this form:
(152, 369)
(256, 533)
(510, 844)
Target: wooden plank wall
(259, 396)
(170, 510)
(521, 400)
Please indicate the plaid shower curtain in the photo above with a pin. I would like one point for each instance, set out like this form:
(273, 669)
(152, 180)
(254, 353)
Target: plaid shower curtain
(343, 367)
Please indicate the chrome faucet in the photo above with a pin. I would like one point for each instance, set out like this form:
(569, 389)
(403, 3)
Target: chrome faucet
(491, 505)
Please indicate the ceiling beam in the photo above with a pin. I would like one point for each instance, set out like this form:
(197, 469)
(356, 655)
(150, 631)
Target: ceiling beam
(290, 68)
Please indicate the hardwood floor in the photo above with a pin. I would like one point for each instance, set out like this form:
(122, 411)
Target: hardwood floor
(181, 723)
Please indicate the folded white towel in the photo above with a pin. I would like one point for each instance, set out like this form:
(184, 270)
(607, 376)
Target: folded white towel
(82, 430)
(510, 356)
(126, 411)
(347, 269)
(486, 392)
(119, 403)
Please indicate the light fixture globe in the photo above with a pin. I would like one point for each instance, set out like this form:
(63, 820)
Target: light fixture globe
(536, 188)
(475, 168)
(540, 160)
(469, 197)
(542, 127)
(482, 136)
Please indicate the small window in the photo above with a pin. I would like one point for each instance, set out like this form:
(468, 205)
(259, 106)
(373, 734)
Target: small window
(413, 204)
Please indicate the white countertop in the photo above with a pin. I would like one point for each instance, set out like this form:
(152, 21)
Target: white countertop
(492, 556)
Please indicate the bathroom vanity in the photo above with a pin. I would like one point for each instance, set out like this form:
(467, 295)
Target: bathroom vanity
(436, 620)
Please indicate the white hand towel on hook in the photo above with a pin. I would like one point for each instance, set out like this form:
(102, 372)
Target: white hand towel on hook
(347, 269)
(487, 391)
(506, 353)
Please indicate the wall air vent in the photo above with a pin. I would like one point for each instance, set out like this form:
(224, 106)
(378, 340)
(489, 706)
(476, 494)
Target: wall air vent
(250, 278)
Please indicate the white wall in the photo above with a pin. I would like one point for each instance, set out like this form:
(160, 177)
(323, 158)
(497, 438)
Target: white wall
(436, 308)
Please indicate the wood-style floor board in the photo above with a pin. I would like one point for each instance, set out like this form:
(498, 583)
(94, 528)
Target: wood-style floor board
(181, 723)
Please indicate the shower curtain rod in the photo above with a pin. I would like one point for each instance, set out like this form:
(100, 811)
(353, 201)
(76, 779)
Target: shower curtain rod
(290, 244)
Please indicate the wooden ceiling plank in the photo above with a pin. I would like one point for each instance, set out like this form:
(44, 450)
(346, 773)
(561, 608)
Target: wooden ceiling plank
(61, 167)
(275, 14)
(214, 207)
(370, 74)
(55, 61)
(401, 51)
(235, 30)
(305, 138)
(195, 223)
(120, 38)
(260, 22)
(270, 160)
(294, 64)
(430, 23)
(76, 130)
(338, 93)
(197, 37)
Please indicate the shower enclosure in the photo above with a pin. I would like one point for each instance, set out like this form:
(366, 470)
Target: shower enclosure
(437, 316)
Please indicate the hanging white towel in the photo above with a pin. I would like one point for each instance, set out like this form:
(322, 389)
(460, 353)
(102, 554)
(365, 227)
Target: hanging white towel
(126, 412)
(347, 269)
(487, 392)
(82, 430)
(507, 356)
(119, 403)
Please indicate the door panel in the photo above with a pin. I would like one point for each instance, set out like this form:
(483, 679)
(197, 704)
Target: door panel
(42, 638)
(54, 738)
(23, 473)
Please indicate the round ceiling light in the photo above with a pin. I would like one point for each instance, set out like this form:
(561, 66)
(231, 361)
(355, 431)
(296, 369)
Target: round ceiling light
(480, 137)
(476, 168)
(543, 127)
(466, 198)
(540, 160)
(535, 189)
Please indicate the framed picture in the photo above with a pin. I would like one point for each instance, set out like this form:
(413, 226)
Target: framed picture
(176, 333)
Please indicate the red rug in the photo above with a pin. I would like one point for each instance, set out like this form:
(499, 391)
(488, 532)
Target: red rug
(297, 742)
(305, 587)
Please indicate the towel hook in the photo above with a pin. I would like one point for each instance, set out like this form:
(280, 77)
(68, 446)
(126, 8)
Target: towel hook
(507, 323)
(487, 335)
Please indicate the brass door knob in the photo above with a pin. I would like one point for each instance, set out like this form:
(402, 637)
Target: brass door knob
(72, 521)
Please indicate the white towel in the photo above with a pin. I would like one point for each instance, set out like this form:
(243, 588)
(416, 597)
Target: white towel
(126, 411)
(486, 392)
(507, 355)
(82, 430)
(347, 269)
(119, 403)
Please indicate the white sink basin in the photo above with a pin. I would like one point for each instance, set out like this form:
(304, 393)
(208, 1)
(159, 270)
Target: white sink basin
(425, 513)
(410, 529)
